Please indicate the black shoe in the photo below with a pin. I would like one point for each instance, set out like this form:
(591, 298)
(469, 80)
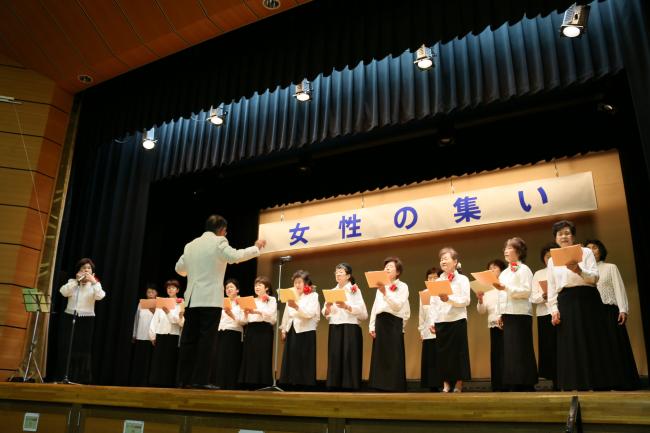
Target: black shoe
(206, 386)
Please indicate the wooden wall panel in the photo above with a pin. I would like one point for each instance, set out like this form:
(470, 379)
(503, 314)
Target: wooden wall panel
(17, 189)
(22, 226)
(62, 100)
(52, 419)
(57, 124)
(111, 425)
(49, 158)
(26, 85)
(12, 347)
(12, 311)
(33, 119)
(31, 138)
(18, 265)
(43, 153)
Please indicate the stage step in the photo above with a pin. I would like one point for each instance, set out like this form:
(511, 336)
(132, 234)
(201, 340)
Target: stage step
(98, 409)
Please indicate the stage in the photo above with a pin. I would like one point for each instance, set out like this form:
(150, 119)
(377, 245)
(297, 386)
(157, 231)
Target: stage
(83, 408)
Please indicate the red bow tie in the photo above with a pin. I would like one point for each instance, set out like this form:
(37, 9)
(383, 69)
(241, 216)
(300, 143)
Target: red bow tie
(450, 277)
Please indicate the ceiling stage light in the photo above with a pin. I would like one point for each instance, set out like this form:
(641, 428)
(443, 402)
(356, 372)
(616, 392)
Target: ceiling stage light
(303, 91)
(423, 58)
(575, 19)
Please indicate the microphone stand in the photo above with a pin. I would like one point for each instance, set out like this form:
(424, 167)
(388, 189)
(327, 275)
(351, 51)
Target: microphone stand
(274, 386)
(66, 380)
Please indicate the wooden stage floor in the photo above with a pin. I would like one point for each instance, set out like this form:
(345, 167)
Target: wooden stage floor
(604, 408)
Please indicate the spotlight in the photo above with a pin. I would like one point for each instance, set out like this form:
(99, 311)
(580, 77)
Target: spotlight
(271, 4)
(575, 19)
(149, 141)
(216, 116)
(85, 78)
(423, 58)
(446, 134)
(446, 140)
(607, 108)
(303, 91)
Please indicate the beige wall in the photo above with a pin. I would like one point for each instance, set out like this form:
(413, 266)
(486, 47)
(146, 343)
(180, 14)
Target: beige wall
(31, 138)
(476, 245)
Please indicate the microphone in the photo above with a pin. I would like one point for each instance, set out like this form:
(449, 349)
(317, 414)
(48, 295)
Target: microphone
(81, 278)
(285, 259)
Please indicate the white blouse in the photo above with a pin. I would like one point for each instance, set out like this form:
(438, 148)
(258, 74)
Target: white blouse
(227, 323)
(166, 323)
(456, 307)
(393, 302)
(610, 286)
(269, 310)
(141, 324)
(537, 295)
(518, 289)
(561, 277)
(339, 316)
(306, 317)
(82, 297)
(493, 302)
(427, 315)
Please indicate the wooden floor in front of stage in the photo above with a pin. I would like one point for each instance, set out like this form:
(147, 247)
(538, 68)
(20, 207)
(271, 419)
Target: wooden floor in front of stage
(99, 406)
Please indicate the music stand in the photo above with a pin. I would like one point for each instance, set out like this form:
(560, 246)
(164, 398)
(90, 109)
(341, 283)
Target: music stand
(274, 386)
(34, 302)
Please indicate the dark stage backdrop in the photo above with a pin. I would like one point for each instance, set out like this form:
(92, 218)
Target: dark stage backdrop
(132, 211)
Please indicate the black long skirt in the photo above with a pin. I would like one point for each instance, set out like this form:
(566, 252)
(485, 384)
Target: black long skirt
(519, 364)
(428, 371)
(496, 359)
(164, 361)
(256, 369)
(547, 348)
(621, 351)
(82, 342)
(453, 351)
(140, 363)
(344, 356)
(583, 363)
(226, 359)
(387, 363)
(299, 359)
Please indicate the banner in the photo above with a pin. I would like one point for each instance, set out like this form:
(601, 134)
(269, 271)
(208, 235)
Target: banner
(534, 199)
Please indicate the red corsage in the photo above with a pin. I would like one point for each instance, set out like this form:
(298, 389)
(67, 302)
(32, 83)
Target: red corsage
(354, 289)
(514, 266)
(393, 287)
(264, 298)
(179, 300)
(306, 290)
(451, 277)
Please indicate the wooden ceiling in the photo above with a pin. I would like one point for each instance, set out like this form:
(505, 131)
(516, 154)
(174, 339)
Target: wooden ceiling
(63, 39)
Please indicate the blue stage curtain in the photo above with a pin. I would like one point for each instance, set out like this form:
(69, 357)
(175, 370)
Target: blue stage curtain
(316, 37)
(514, 60)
